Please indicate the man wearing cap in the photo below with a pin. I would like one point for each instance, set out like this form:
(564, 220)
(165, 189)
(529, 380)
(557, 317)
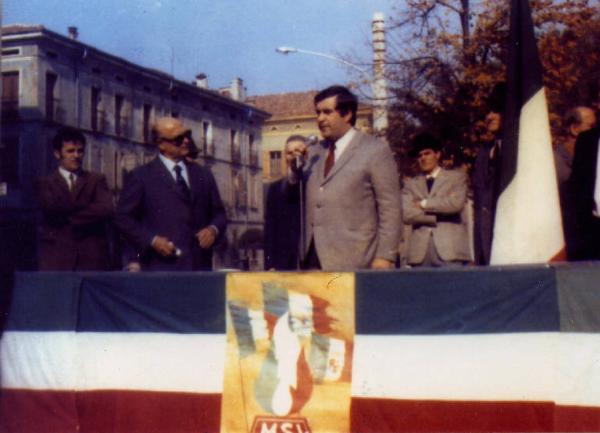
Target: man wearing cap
(433, 203)
(169, 210)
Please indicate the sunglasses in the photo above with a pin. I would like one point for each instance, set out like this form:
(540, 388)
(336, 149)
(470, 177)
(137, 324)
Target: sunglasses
(178, 141)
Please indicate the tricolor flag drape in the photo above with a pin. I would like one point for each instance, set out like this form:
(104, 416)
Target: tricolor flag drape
(511, 349)
(528, 225)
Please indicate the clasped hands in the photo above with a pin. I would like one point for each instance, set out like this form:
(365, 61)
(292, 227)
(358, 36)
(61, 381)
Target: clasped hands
(165, 247)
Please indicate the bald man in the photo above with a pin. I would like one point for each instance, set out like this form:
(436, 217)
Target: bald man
(170, 211)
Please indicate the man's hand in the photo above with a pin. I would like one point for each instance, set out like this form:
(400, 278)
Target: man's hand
(163, 246)
(206, 237)
(293, 150)
(133, 267)
(379, 263)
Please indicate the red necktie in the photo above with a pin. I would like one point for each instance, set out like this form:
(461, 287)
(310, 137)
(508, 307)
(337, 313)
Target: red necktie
(330, 158)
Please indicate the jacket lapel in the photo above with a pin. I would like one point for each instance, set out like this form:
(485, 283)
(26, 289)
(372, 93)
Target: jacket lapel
(162, 173)
(60, 182)
(344, 158)
(80, 182)
(438, 182)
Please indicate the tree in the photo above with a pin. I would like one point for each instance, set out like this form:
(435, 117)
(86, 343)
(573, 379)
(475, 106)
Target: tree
(445, 56)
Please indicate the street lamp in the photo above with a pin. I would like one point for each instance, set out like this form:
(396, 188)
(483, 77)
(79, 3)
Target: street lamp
(380, 122)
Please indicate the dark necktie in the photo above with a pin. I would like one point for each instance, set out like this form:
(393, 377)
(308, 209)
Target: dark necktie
(330, 158)
(182, 187)
(71, 182)
(429, 181)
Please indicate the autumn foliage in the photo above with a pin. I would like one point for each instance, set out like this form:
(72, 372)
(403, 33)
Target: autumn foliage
(445, 56)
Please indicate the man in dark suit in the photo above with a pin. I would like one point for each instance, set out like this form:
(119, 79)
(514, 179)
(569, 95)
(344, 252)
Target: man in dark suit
(434, 203)
(584, 187)
(353, 205)
(170, 210)
(282, 219)
(76, 207)
(485, 177)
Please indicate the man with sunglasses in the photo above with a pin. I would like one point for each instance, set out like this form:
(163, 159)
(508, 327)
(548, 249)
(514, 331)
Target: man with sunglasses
(170, 211)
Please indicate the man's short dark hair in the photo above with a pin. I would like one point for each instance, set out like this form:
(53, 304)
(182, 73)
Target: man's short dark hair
(346, 101)
(497, 98)
(573, 117)
(296, 137)
(67, 134)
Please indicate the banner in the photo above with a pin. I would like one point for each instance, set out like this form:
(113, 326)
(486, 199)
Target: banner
(288, 365)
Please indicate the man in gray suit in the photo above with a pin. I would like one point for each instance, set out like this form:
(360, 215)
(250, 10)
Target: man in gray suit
(434, 204)
(353, 208)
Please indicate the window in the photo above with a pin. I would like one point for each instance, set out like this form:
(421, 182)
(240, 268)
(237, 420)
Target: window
(118, 114)
(234, 146)
(96, 115)
(275, 163)
(252, 154)
(10, 94)
(9, 162)
(146, 128)
(253, 184)
(238, 190)
(207, 144)
(51, 80)
(11, 52)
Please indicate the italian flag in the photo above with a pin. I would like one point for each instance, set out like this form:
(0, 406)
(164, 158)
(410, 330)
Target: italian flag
(528, 224)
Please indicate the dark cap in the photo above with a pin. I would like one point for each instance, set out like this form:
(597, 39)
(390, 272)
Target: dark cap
(424, 141)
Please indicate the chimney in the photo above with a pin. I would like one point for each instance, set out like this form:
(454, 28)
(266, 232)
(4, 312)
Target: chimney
(202, 81)
(237, 90)
(73, 32)
(380, 115)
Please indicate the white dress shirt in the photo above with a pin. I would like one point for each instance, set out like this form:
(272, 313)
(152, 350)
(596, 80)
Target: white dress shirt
(171, 167)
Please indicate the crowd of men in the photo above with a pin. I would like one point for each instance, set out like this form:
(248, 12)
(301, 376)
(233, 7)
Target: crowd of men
(349, 216)
(340, 206)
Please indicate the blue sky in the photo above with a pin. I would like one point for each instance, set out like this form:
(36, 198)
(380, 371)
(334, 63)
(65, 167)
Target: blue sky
(222, 38)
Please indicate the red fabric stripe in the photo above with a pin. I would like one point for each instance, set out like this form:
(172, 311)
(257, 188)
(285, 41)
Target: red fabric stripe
(383, 415)
(27, 411)
(560, 256)
(23, 411)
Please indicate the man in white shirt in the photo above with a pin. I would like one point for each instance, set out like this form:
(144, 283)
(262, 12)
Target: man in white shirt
(170, 211)
(434, 203)
(76, 207)
(353, 212)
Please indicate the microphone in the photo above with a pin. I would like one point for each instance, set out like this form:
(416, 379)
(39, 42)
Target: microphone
(311, 140)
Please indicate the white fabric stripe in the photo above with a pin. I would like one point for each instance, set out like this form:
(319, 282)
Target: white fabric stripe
(127, 361)
(528, 225)
(559, 367)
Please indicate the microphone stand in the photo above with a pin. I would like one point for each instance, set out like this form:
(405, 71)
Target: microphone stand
(301, 244)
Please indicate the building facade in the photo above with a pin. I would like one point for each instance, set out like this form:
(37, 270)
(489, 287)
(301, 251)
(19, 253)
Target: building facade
(292, 113)
(50, 80)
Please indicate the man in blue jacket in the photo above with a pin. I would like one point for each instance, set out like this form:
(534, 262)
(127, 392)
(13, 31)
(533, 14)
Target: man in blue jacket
(170, 210)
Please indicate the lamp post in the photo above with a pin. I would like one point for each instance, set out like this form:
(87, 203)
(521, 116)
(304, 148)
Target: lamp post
(378, 88)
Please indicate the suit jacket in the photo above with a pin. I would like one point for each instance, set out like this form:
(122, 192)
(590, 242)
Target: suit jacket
(581, 184)
(73, 232)
(151, 205)
(442, 219)
(282, 226)
(354, 214)
(485, 194)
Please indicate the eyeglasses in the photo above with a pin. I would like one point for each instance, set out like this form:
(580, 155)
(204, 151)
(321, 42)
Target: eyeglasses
(178, 141)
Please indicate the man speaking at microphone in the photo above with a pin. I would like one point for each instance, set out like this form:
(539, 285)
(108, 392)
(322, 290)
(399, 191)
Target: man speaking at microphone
(353, 206)
(171, 211)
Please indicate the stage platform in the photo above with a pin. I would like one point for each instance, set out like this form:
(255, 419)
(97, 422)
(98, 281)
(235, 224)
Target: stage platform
(511, 348)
